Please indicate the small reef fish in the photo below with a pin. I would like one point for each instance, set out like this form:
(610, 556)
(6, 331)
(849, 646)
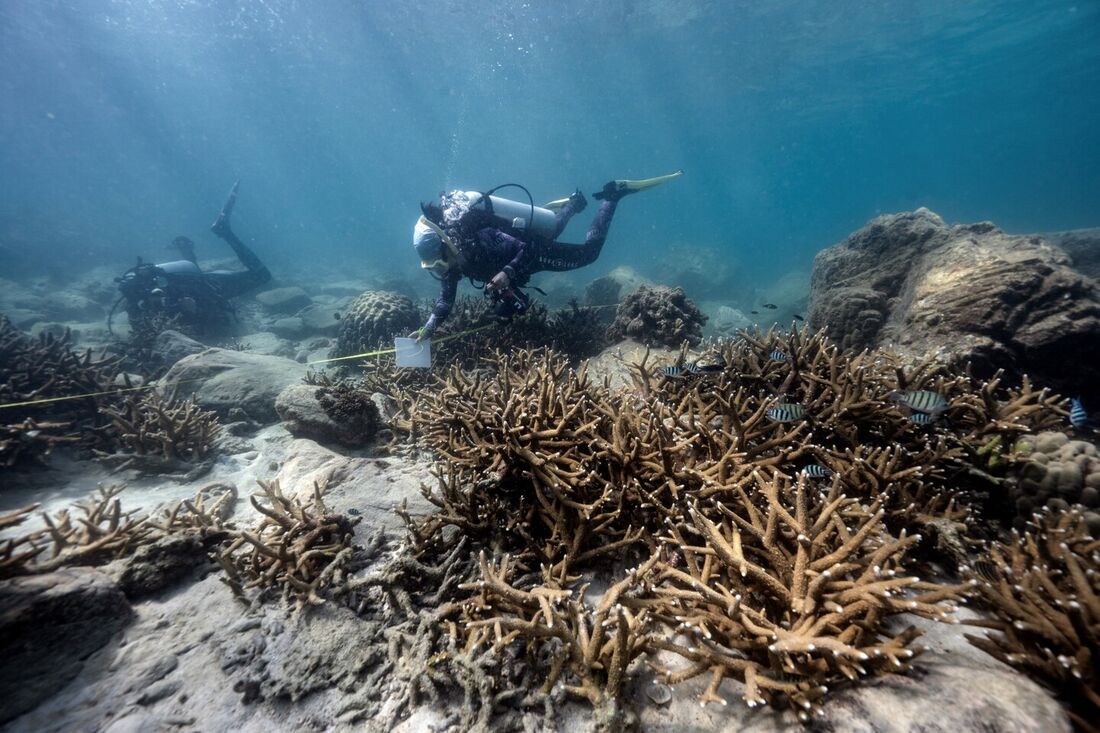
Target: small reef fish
(1078, 415)
(923, 419)
(816, 470)
(921, 400)
(755, 313)
(680, 371)
(798, 317)
(336, 316)
(777, 355)
(786, 412)
(709, 368)
(770, 306)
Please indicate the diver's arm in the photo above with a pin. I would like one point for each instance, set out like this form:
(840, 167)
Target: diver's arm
(448, 291)
(519, 268)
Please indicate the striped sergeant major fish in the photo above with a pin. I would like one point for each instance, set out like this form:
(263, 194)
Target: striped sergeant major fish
(680, 371)
(786, 412)
(777, 355)
(923, 419)
(921, 400)
(1078, 415)
(816, 470)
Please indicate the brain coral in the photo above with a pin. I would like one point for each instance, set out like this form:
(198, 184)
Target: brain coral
(373, 318)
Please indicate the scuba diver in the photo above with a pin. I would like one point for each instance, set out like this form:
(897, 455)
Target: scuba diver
(180, 291)
(502, 242)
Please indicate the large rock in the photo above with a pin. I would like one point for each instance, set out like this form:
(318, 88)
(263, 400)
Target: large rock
(284, 300)
(171, 346)
(220, 380)
(619, 362)
(49, 624)
(1082, 246)
(911, 282)
(308, 411)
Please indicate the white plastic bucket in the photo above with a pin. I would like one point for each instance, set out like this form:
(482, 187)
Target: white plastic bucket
(413, 354)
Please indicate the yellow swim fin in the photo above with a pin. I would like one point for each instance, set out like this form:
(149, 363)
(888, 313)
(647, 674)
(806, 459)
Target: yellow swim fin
(619, 188)
(556, 204)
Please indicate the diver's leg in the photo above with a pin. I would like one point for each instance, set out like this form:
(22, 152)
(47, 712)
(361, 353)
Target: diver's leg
(258, 273)
(232, 284)
(574, 205)
(559, 256)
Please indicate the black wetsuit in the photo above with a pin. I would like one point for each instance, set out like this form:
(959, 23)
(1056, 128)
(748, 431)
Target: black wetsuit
(491, 250)
(196, 299)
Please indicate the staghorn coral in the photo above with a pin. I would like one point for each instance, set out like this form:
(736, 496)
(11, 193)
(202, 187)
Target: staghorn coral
(161, 433)
(301, 549)
(572, 479)
(96, 530)
(789, 595)
(44, 368)
(373, 318)
(1044, 590)
(658, 315)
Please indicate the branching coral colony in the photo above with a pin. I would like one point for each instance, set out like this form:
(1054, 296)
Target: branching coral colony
(1044, 589)
(161, 433)
(770, 505)
(97, 530)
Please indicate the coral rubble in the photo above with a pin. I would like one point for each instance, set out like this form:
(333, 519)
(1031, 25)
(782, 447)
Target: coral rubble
(658, 315)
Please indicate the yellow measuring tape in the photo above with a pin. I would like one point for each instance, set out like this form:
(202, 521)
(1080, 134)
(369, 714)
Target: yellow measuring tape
(379, 352)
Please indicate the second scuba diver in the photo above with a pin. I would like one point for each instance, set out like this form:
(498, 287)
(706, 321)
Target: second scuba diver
(502, 242)
(181, 291)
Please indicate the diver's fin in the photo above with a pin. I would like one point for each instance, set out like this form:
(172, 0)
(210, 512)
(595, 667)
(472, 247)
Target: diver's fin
(221, 224)
(615, 190)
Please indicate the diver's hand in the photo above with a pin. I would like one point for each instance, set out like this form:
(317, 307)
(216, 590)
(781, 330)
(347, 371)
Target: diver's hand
(420, 334)
(500, 281)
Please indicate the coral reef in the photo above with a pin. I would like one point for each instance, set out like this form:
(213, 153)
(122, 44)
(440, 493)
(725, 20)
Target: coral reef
(1044, 590)
(303, 550)
(744, 566)
(373, 318)
(97, 530)
(658, 315)
(43, 368)
(1055, 471)
(161, 434)
(968, 292)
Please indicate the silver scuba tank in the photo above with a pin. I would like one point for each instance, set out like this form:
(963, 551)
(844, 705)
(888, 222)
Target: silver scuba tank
(180, 267)
(536, 221)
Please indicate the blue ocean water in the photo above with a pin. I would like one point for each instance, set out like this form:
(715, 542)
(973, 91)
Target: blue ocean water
(123, 123)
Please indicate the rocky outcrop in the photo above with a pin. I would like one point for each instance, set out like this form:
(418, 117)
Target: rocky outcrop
(171, 346)
(220, 380)
(1082, 246)
(49, 624)
(971, 292)
(658, 315)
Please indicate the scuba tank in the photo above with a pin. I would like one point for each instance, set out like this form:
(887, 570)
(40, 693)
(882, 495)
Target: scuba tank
(533, 221)
(472, 210)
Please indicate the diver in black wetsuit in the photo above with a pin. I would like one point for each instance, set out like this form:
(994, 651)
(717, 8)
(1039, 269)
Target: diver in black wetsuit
(497, 241)
(180, 291)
